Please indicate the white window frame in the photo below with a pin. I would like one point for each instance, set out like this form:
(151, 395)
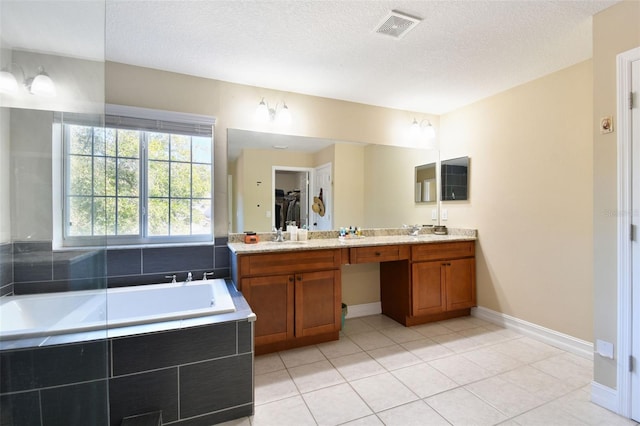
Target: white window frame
(60, 168)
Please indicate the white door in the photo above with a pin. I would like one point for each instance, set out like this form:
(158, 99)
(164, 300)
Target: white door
(322, 220)
(635, 244)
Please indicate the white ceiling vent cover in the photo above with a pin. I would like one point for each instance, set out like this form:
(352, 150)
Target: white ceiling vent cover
(397, 24)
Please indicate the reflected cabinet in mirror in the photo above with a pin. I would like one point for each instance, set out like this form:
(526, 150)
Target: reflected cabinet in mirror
(425, 183)
(454, 178)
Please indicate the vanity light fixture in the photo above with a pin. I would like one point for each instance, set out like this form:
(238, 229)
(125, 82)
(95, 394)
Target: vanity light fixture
(40, 85)
(265, 114)
(418, 129)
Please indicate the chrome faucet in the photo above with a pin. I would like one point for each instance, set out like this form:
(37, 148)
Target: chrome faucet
(415, 229)
(189, 278)
(173, 278)
(279, 238)
(205, 275)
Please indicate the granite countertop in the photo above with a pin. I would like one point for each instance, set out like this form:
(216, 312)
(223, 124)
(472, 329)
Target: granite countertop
(332, 241)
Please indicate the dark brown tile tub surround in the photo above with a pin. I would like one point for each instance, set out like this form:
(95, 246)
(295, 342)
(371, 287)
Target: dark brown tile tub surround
(196, 376)
(33, 267)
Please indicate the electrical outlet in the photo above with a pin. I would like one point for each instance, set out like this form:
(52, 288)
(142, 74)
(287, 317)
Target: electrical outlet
(268, 213)
(445, 214)
(434, 214)
(604, 349)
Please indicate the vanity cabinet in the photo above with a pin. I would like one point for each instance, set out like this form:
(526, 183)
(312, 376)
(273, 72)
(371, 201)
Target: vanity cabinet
(442, 278)
(296, 296)
(438, 282)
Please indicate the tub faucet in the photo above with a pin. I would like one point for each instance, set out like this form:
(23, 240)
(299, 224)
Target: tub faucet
(173, 278)
(205, 275)
(189, 278)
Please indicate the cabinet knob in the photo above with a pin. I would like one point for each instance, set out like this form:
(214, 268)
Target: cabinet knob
(378, 253)
(299, 277)
(290, 279)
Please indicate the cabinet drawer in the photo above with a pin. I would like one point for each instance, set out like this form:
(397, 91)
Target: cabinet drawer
(435, 251)
(288, 262)
(379, 254)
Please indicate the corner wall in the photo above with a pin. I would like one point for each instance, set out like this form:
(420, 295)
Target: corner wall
(530, 197)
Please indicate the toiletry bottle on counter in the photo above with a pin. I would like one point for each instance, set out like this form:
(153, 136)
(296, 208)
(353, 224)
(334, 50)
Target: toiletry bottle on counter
(293, 232)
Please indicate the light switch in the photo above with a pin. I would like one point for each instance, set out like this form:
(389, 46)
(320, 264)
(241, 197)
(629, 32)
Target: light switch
(268, 213)
(445, 214)
(434, 214)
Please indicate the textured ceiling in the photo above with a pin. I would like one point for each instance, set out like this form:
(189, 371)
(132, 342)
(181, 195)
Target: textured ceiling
(462, 51)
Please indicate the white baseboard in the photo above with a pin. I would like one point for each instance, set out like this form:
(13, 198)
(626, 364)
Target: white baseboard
(354, 311)
(605, 397)
(547, 335)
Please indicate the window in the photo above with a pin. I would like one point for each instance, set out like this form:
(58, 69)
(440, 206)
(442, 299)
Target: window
(137, 180)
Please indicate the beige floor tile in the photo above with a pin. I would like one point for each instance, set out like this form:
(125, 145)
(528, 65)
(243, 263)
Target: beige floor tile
(427, 349)
(310, 377)
(569, 368)
(416, 413)
(457, 342)
(380, 322)
(244, 421)
(460, 369)
(301, 356)
(424, 380)
(461, 407)
(274, 386)
(492, 360)
(371, 420)
(371, 340)
(547, 415)
(401, 334)
(355, 326)
(291, 411)
(431, 329)
(537, 382)
(526, 350)
(336, 405)
(394, 357)
(338, 348)
(357, 366)
(505, 396)
(463, 323)
(268, 363)
(578, 404)
(383, 391)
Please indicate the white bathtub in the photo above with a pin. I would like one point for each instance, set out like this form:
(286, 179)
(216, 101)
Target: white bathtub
(60, 313)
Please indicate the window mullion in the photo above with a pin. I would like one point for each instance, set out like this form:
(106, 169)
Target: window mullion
(144, 189)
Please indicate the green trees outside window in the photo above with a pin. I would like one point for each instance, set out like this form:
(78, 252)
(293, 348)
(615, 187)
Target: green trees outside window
(138, 185)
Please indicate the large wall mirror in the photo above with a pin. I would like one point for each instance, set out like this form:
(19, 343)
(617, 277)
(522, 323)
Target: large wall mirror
(360, 184)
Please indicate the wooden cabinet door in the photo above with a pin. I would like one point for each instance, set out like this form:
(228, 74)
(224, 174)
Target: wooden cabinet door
(272, 300)
(318, 303)
(428, 288)
(461, 283)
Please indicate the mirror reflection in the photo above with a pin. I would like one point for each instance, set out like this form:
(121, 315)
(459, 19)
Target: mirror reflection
(426, 183)
(350, 183)
(454, 178)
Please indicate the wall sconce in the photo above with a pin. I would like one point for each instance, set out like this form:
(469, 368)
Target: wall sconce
(265, 114)
(427, 130)
(40, 85)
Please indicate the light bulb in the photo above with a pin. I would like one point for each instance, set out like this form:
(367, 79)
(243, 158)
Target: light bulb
(284, 115)
(8, 82)
(42, 85)
(262, 112)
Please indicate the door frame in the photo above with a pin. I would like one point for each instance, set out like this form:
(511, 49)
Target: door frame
(625, 301)
(310, 177)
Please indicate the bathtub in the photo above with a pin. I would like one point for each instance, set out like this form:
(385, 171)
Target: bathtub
(52, 314)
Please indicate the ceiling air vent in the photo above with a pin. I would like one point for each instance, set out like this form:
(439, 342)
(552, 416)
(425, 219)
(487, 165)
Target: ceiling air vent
(397, 24)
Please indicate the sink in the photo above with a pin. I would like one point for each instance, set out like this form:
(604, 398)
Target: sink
(285, 242)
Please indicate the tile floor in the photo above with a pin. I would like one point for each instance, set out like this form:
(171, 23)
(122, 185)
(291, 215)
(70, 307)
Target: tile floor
(464, 371)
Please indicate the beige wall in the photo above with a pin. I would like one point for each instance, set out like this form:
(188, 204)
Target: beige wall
(234, 106)
(531, 168)
(615, 30)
